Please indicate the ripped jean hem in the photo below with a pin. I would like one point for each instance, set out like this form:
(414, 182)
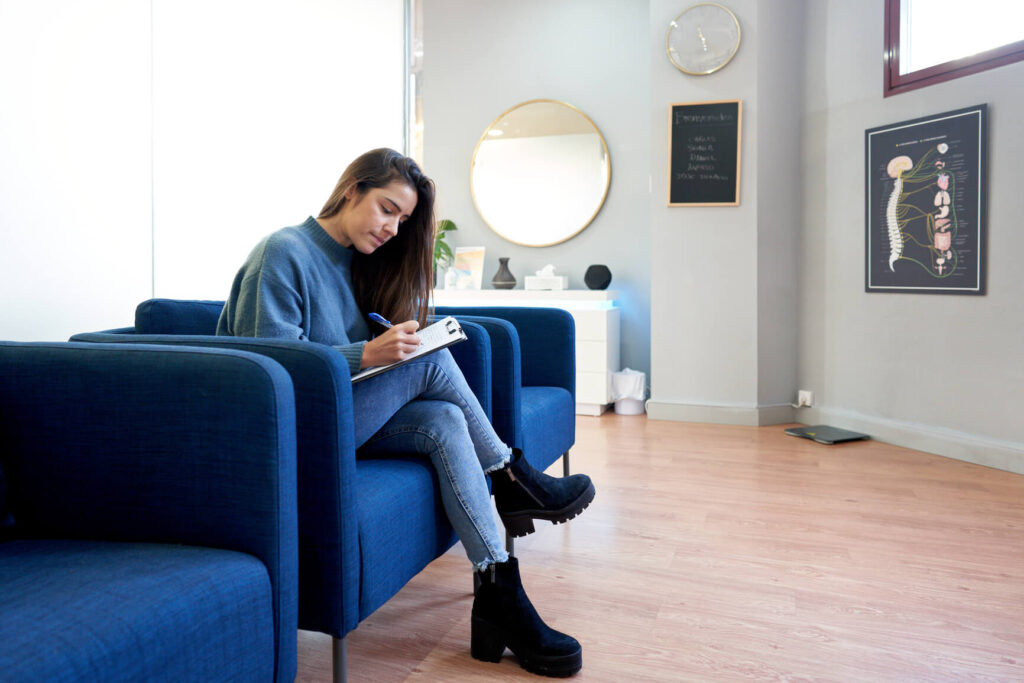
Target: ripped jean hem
(483, 565)
(500, 466)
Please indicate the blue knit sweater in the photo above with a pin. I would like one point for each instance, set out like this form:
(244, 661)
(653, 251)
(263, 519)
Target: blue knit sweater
(297, 284)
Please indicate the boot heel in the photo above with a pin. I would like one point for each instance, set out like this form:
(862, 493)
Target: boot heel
(486, 643)
(518, 526)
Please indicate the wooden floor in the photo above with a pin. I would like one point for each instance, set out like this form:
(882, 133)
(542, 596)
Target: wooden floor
(722, 553)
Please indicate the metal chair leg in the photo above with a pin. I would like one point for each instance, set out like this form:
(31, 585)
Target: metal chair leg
(339, 664)
(565, 464)
(510, 544)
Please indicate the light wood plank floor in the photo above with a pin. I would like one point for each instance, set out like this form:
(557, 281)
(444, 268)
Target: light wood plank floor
(722, 553)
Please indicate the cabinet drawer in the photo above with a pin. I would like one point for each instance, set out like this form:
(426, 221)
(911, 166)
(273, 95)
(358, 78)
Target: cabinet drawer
(593, 356)
(593, 387)
(591, 325)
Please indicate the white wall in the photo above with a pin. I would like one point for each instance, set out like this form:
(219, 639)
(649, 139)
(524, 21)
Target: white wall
(480, 59)
(74, 166)
(212, 125)
(940, 373)
(259, 108)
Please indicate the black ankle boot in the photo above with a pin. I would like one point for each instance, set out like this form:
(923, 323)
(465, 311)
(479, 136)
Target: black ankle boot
(522, 494)
(504, 617)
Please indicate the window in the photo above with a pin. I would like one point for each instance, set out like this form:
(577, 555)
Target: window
(931, 41)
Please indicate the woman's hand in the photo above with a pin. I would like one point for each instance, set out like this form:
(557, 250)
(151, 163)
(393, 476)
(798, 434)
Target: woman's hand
(392, 346)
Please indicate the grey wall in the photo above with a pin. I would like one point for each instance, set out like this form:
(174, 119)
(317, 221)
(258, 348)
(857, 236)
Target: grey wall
(940, 373)
(481, 58)
(780, 56)
(724, 307)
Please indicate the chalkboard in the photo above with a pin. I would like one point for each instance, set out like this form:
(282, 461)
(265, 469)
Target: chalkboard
(704, 154)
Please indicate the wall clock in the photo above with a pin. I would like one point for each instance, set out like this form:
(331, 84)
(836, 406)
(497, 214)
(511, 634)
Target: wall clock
(703, 39)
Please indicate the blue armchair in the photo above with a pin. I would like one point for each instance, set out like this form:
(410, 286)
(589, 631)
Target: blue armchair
(147, 515)
(366, 526)
(533, 377)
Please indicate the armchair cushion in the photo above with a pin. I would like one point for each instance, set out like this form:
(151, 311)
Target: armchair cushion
(195, 613)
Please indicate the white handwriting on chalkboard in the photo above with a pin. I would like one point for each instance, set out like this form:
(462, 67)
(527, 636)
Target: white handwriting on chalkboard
(702, 160)
(712, 177)
(704, 119)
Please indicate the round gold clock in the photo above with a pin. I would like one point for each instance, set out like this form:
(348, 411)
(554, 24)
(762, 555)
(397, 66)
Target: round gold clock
(703, 39)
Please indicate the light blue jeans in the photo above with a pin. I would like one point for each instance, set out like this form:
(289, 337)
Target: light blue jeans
(426, 406)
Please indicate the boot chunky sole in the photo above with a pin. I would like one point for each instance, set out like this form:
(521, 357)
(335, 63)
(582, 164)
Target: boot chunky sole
(488, 643)
(520, 522)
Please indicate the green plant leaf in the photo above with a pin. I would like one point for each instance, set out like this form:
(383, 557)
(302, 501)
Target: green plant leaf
(442, 251)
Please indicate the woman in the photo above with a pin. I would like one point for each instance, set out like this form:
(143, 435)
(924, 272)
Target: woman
(370, 251)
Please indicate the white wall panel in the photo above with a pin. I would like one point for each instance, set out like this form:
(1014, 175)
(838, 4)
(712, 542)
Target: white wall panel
(74, 166)
(259, 108)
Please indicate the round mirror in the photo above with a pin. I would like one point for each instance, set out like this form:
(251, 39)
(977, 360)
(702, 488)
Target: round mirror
(540, 173)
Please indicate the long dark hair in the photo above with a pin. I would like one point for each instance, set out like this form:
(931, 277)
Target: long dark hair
(396, 279)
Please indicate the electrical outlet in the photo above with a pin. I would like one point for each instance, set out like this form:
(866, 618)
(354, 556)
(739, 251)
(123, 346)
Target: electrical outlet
(804, 398)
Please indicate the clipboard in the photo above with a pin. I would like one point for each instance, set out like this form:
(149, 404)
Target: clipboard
(444, 332)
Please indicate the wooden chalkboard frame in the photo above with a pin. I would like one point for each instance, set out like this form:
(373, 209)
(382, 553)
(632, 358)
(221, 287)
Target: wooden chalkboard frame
(677, 159)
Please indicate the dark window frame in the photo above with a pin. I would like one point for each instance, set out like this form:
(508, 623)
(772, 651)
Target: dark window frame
(895, 83)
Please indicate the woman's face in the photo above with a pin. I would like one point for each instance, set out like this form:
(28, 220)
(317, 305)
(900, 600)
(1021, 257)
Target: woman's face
(371, 219)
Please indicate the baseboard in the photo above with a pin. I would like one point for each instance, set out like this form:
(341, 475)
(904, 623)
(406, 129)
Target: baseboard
(751, 416)
(973, 448)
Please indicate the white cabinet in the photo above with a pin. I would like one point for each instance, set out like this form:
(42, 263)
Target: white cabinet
(597, 332)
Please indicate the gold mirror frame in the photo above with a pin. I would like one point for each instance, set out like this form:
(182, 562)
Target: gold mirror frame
(488, 214)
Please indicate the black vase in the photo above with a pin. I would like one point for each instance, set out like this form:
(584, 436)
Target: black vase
(503, 279)
(597, 277)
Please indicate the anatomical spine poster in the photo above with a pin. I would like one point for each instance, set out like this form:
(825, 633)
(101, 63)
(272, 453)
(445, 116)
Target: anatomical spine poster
(925, 204)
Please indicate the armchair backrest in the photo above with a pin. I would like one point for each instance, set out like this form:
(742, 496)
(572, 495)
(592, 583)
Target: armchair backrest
(177, 316)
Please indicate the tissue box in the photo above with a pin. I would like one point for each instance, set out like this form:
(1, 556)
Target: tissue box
(535, 282)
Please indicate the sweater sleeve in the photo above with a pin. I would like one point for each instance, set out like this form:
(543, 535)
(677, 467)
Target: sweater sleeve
(353, 354)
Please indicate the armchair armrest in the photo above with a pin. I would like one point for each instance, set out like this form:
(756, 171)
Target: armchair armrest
(139, 443)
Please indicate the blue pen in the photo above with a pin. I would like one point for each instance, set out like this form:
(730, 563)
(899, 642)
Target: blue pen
(378, 318)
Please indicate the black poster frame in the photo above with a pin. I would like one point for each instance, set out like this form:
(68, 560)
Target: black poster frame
(924, 197)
